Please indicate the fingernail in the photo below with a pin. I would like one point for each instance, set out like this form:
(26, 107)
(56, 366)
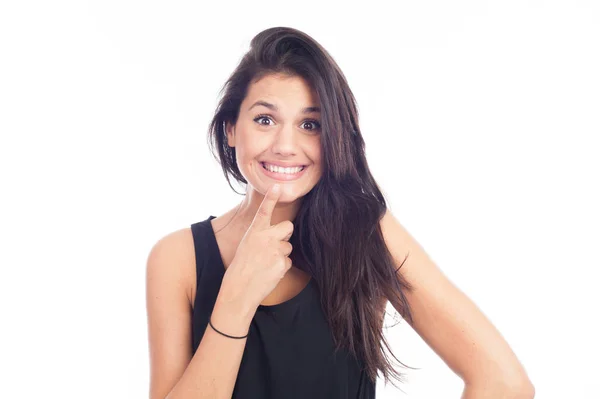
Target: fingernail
(276, 188)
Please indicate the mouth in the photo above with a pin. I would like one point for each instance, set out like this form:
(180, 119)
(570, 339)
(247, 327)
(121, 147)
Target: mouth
(283, 174)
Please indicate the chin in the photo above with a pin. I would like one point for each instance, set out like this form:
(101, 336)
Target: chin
(287, 195)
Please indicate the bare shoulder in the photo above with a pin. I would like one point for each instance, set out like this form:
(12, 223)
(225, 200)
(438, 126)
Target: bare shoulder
(169, 271)
(172, 257)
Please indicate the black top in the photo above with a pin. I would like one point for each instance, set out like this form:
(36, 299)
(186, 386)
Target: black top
(289, 350)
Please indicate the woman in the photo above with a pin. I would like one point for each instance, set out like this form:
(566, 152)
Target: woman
(285, 293)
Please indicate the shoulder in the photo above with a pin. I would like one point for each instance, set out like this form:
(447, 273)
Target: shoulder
(172, 260)
(396, 237)
(169, 270)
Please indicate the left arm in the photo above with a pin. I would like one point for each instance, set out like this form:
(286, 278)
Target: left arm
(496, 392)
(453, 326)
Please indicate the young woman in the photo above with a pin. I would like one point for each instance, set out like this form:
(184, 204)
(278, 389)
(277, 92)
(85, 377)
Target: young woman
(284, 295)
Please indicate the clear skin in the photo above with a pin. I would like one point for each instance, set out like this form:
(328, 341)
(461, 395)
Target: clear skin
(287, 135)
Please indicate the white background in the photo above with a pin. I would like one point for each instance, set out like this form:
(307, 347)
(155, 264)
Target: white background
(481, 121)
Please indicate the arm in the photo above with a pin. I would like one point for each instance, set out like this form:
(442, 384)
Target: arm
(453, 326)
(174, 373)
(498, 392)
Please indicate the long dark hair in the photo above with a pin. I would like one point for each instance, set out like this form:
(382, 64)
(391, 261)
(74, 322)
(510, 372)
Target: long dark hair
(337, 238)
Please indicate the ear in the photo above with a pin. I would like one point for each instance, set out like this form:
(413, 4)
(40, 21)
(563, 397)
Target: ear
(230, 132)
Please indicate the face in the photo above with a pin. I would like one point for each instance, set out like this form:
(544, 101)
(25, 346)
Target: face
(279, 128)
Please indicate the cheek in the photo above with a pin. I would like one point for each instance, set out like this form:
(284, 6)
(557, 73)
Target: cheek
(245, 149)
(316, 157)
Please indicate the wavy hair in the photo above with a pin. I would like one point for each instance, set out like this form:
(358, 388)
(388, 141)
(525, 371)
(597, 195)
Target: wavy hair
(337, 238)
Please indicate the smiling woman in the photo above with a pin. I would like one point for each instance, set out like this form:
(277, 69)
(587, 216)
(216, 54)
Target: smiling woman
(278, 130)
(286, 292)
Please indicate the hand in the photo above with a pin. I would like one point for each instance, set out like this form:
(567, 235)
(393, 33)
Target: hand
(262, 256)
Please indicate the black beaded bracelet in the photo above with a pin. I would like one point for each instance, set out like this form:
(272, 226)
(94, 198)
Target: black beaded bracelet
(229, 336)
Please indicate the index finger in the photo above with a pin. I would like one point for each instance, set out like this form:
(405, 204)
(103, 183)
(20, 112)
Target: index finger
(265, 210)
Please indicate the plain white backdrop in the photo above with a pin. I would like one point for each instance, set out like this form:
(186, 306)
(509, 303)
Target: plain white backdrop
(481, 121)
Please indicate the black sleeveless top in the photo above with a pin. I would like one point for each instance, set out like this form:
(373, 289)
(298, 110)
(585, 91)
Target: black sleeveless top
(289, 350)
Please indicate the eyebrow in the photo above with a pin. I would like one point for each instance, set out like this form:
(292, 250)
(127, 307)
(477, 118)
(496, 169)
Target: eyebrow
(273, 107)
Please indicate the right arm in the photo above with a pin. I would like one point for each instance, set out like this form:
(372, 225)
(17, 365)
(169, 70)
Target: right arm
(174, 372)
(263, 255)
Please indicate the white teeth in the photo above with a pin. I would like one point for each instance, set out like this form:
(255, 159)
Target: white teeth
(279, 169)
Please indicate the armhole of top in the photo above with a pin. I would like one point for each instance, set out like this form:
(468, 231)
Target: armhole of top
(200, 252)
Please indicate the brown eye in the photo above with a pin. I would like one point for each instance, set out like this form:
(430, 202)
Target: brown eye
(260, 118)
(316, 124)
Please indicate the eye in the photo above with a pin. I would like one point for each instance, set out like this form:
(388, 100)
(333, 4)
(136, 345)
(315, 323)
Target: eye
(314, 122)
(262, 117)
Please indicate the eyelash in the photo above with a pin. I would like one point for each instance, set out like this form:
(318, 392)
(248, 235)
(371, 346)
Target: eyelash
(317, 124)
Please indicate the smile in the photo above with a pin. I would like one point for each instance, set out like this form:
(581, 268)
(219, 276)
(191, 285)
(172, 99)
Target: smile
(283, 174)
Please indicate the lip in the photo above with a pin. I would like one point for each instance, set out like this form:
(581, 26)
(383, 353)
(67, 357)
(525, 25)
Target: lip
(283, 176)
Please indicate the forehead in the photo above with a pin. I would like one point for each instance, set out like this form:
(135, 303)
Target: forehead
(284, 91)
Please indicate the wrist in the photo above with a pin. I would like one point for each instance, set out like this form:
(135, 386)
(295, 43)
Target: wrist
(233, 308)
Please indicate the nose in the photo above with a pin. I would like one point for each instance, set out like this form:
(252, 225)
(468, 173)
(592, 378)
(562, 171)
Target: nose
(284, 142)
